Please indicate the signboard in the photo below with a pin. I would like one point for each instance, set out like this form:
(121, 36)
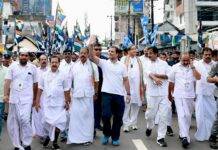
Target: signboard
(122, 6)
(25, 7)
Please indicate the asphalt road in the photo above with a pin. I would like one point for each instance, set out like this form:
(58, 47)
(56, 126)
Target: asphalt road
(135, 140)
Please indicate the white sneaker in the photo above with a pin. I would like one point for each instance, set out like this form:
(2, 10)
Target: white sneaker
(125, 129)
(134, 127)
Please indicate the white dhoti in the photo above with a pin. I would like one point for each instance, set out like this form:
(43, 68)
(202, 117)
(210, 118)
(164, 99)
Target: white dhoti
(18, 124)
(38, 120)
(169, 118)
(55, 117)
(205, 109)
(130, 114)
(81, 127)
(185, 108)
(157, 105)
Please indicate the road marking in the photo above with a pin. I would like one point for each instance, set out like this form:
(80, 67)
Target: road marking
(139, 144)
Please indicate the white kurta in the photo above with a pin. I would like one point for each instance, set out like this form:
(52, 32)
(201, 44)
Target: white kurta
(205, 106)
(20, 103)
(38, 117)
(54, 85)
(184, 94)
(81, 126)
(157, 100)
(131, 110)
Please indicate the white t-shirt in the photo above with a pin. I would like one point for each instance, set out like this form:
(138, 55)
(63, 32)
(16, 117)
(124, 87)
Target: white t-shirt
(113, 74)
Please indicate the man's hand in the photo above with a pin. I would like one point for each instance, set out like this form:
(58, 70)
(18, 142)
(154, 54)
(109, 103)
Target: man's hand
(6, 99)
(67, 105)
(128, 99)
(37, 107)
(95, 97)
(92, 40)
(158, 81)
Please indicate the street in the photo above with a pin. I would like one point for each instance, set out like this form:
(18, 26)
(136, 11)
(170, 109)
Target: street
(134, 140)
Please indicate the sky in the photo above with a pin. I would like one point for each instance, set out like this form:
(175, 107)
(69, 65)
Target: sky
(97, 12)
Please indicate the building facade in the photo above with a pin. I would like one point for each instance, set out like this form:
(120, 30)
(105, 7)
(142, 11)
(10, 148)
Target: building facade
(187, 14)
(127, 16)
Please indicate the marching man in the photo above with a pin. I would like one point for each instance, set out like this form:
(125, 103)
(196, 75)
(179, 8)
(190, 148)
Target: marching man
(84, 76)
(20, 92)
(135, 75)
(56, 90)
(182, 80)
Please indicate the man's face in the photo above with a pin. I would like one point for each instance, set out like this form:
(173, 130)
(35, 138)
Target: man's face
(151, 55)
(192, 57)
(146, 52)
(74, 57)
(83, 55)
(175, 56)
(23, 58)
(54, 64)
(207, 56)
(163, 57)
(112, 53)
(132, 51)
(185, 60)
(68, 57)
(97, 50)
(43, 61)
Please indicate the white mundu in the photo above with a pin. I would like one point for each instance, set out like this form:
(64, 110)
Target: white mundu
(205, 106)
(157, 97)
(134, 71)
(20, 103)
(38, 117)
(53, 85)
(184, 94)
(81, 126)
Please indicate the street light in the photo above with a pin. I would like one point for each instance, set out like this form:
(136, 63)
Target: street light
(111, 32)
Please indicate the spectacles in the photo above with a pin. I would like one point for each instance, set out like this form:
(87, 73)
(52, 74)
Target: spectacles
(24, 55)
(97, 49)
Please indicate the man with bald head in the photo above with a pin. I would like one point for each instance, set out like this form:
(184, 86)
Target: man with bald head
(182, 81)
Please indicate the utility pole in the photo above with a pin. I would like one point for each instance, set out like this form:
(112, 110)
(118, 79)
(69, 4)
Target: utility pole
(152, 15)
(111, 32)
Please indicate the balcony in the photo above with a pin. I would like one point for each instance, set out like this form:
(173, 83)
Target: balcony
(206, 2)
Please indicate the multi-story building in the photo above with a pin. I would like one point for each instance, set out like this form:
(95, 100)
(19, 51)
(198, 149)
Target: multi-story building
(31, 12)
(186, 14)
(128, 13)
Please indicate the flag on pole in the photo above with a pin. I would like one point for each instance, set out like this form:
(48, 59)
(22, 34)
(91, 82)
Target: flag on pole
(59, 15)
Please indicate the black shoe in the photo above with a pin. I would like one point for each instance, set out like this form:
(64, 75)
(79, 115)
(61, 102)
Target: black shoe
(162, 143)
(16, 148)
(169, 131)
(27, 148)
(185, 142)
(56, 146)
(148, 132)
(95, 133)
(213, 143)
(46, 142)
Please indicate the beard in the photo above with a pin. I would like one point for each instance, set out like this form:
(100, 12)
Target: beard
(23, 62)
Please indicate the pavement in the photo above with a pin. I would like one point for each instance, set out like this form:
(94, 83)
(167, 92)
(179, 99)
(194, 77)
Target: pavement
(134, 140)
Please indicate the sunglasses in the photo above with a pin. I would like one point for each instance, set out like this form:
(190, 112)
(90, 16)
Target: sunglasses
(68, 53)
(97, 49)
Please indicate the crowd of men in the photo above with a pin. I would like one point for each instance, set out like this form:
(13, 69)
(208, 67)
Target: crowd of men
(75, 94)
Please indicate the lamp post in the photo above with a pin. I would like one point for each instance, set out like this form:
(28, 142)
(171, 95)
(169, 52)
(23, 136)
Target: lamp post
(111, 32)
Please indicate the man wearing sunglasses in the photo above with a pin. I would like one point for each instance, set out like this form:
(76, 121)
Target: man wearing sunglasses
(67, 62)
